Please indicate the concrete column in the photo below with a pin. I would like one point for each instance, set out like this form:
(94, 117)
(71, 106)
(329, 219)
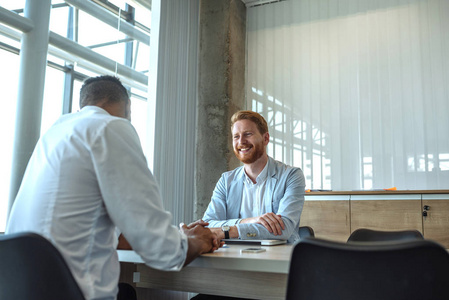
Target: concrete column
(221, 92)
(33, 61)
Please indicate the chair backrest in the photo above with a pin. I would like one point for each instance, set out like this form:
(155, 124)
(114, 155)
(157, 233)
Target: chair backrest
(306, 231)
(370, 235)
(31, 268)
(322, 270)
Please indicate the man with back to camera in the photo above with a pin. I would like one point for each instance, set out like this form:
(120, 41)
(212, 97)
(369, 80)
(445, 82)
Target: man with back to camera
(87, 176)
(264, 198)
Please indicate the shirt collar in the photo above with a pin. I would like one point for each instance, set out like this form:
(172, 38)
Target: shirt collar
(94, 108)
(260, 178)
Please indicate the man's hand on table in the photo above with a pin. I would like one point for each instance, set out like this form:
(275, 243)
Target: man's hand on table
(201, 240)
(197, 230)
(198, 222)
(272, 222)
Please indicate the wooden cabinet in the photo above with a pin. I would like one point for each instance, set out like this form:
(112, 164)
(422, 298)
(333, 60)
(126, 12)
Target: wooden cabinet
(336, 215)
(328, 216)
(436, 223)
(386, 212)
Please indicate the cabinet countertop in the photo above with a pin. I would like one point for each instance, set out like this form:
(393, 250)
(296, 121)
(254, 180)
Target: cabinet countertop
(377, 192)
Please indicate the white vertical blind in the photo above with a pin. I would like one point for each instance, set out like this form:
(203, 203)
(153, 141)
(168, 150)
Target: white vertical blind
(355, 91)
(173, 85)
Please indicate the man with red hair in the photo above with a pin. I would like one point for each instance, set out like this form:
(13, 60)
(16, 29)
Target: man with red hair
(263, 199)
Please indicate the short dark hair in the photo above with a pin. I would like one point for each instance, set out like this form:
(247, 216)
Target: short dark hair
(97, 89)
(252, 116)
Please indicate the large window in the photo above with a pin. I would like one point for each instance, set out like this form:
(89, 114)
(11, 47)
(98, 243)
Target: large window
(66, 69)
(8, 61)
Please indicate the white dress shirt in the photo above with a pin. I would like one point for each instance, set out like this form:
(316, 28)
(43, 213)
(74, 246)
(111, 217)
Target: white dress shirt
(87, 175)
(253, 200)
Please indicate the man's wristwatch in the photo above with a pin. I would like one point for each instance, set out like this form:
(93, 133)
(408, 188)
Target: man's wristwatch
(225, 229)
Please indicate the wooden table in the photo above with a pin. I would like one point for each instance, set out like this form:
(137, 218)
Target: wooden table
(226, 272)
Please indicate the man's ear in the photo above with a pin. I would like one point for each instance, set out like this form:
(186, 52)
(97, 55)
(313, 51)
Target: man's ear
(266, 138)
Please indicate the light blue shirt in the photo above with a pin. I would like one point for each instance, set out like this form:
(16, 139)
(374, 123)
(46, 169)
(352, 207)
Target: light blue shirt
(284, 195)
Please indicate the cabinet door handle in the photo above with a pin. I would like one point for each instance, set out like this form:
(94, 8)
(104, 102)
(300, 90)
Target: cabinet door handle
(426, 207)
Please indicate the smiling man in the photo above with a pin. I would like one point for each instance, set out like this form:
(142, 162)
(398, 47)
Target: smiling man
(264, 198)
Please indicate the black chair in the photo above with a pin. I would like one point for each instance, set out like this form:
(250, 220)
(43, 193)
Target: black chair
(370, 235)
(306, 232)
(31, 268)
(322, 270)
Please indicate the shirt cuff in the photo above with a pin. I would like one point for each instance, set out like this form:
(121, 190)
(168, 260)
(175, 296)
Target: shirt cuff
(248, 232)
(184, 245)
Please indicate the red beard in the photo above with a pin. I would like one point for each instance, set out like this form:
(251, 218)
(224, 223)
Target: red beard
(256, 152)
